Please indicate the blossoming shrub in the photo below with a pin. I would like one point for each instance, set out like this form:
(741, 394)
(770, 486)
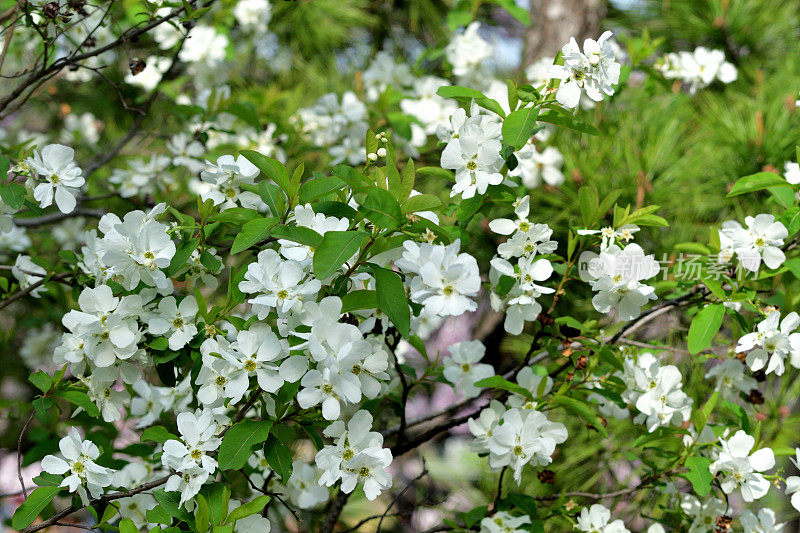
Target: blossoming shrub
(248, 359)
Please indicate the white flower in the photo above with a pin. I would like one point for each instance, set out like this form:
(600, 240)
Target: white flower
(218, 378)
(761, 240)
(524, 437)
(62, 176)
(106, 325)
(697, 69)
(175, 321)
(427, 107)
(188, 482)
(135, 507)
(303, 487)
(78, 462)
(503, 522)
(594, 71)
(731, 379)
(617, 280)
(703, 514)
(764, 522)
(793, 482)
(148, 78)
(253, 13)
(198, 439)
(521, 297)
(204, 45)
(100, 390)
(227, 179)
(137, 248)
(461, 369)
(28, 273)
(445, 279)
(536, 240)
(536, 384)
(357, 456)
(476, 161)
(329, 387)
(663, 402)
(468, 50)
(283, 283)
(610, 235)
(305, 217)
(596, 519)
(149, 402)
(12, 238)
(772, 342)
(383, 72)
(791, 171)
(741, 469)
(534, 166)
(259, 352)
(368, 467)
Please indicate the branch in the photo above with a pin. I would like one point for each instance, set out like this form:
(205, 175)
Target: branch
(95, 501)
(400, 494)
(58, 216)
(332, 518)
(32, 287)
(56, 66)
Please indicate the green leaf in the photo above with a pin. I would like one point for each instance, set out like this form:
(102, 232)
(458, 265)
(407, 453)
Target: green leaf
(568, 121)
(421, 202)
(158, 515)
(41, 380)
(791, 219)
(499, 382)
(182, 254)
(355, 300)
(699, 474)
(237, 444)
(757, 182)
(271, 169)
(32, 506)
(279, 457)
(454, 91)
(297, 234)
(157, 434)
(313, 189)
(704, 326)
(584, 410)
(80, 399)
(335, 248)
(12, 194)
(588, 201)
(518, 126)
(437, 173)
(382, 208)
(235, 215)
(273, 196)
(250, 508)
(392, 300)
(521, 14)
(252, 232)
(202, 514)
(701, 417)
(171, 503)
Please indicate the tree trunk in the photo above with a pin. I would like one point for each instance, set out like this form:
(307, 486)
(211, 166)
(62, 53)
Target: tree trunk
(553, 22)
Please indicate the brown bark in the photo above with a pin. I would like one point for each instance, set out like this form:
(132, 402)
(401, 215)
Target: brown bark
(553, 22)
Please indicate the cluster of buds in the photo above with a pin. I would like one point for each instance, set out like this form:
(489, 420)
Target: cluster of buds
(381, 151)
